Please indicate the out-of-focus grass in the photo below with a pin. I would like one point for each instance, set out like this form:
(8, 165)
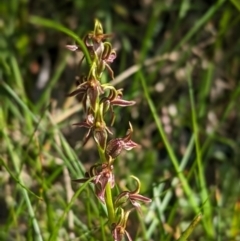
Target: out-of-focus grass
(179, 61)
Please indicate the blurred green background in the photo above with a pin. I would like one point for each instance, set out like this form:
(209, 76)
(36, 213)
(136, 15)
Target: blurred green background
(179, 60)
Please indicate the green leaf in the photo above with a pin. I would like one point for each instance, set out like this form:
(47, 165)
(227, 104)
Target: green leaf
(190, 228)
(236, 3)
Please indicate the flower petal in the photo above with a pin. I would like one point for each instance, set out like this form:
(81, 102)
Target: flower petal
(129, 145)
(121, 102)
(72, 47)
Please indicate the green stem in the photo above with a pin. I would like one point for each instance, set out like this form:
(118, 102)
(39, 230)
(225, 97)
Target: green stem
(108, 193)
(109, 204)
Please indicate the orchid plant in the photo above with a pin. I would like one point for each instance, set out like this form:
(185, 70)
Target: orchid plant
(98, 101)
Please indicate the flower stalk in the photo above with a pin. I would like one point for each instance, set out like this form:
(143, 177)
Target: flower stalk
(99, 100)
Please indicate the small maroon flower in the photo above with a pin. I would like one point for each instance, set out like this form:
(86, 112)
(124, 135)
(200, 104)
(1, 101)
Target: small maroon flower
(102, 55)
(97, 127)
(100, 134)
(89, 124)
(119, 228)
(100, 52)
(101, 174)
(97, 34)
(133, 196)
(115, 146)
(104, 58)
(89, 88)
(114, 98)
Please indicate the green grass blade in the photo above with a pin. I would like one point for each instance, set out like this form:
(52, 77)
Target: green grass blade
(16, 162)
(56, 26)
(53, 236)
(236, 3)
(21, 103)
(190, 228)
(174, 183)
(170, 151)
(17, 180)
(199, 24)
(203, 192)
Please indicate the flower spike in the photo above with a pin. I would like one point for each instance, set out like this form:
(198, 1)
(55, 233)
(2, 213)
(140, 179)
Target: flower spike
(99, 100)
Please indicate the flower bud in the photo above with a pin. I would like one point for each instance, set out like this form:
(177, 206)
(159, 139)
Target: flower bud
(114, 147)
(98, 29)
(100, 136)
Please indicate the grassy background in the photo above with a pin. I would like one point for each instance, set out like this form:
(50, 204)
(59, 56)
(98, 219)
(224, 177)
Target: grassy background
(179, 60)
